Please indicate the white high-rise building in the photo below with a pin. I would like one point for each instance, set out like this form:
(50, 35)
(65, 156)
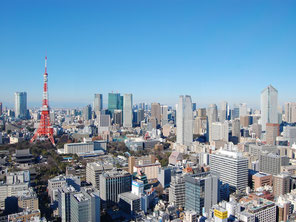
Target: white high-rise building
(128, 110)
(164, 115)
(212, 114)
(290, 112)
(20, 105)
(232, 168)
(243, 109)
(220, 131)
(184, 121)
(98, 103)
(269, 106)
(223, 111)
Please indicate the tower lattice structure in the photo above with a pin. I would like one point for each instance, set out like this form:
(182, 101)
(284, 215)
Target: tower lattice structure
(45, 129)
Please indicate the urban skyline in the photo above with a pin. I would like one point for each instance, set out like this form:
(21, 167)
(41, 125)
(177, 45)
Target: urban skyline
(148, 111)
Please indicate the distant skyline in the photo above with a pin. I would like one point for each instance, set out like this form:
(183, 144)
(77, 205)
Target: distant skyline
(157, 50)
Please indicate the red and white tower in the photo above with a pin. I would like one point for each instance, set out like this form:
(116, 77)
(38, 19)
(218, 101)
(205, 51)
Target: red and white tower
(45, 129)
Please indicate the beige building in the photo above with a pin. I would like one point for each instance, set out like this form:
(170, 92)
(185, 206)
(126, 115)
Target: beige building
(24, 216)
(155, 114)
(28, 202)
(200, 125)
(151, 170)
(244, 121)
(134, 161)
(281, 184)
(93, 171)
(261, 179)
(290, 112)
(272, 131)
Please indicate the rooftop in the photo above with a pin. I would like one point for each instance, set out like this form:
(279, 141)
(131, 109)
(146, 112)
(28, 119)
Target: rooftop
(256, 205)
(116, 173)
(129, 196)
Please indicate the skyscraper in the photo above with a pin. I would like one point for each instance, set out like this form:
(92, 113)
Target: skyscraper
(269, 106)
(164, 115)
(243, 109)
(235, 131)
(290, 112)
(281, 184)
(232, 168)
(85, 205)
(201, 192)
(140, 116)
(0, 108)
(114, 102)
(223, 111)
(20, 105)
(184, 121)
(212, 114)
(220, 131)
(98, 103)
(156, 113)
(272, 131)
(177, 191)
(113, 183)
(128, 110)
(235, 112)
(87, 112)
(117, 117)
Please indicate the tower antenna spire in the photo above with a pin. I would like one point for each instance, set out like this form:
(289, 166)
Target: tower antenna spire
(45, 129)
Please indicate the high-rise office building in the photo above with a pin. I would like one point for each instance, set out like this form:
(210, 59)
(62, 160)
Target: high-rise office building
(177, 191)
(156, 113)
(104, 120)
(128, 110)
(164, 176)
(243, 109)
(201, 192)
(93, 172)
(20, 105)
(272, 163)
(98, 103)
(236, 130)
(235, 112)
(272, 131)
(113, 183)
(269, 106)
(64, 202)
(232, 168)
(256, 130)
(223, 111)
(87, 112)
(117, 117)
(220, 131)
(1, 108)
(200, 125)
(85, 205)
(245, 121)
(114, 102)
(212, 114)
(184, 121)
(164, 115)
(140, 116)
(290, 112)
(121, 102)
(281, 184)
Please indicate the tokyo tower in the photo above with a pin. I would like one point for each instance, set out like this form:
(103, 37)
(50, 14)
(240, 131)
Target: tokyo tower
(45, 130)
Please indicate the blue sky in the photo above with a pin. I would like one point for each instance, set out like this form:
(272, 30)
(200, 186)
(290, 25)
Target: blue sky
(156, 49)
